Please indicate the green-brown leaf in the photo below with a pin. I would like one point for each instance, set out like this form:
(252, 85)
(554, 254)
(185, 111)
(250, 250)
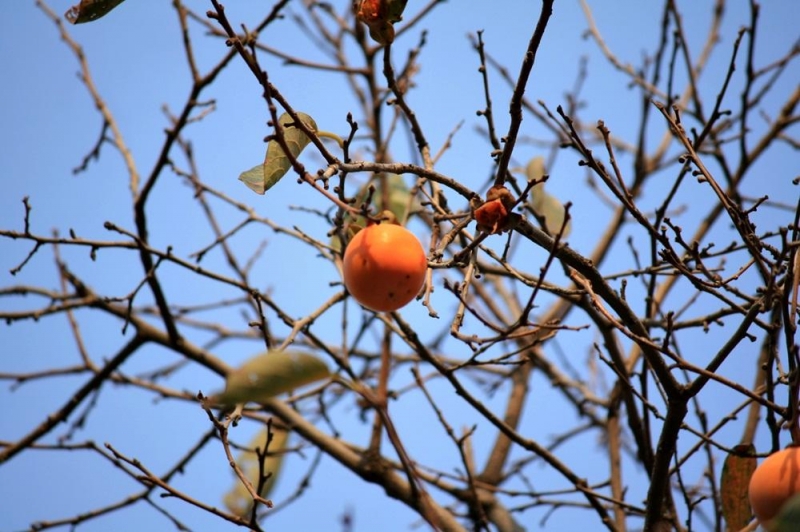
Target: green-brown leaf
(277, 163)
(273, 373)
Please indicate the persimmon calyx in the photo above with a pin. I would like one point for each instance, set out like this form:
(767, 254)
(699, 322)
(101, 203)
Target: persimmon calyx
(385, 217)
(388, 217)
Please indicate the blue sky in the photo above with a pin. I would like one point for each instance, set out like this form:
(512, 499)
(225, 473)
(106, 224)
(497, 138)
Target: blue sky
(48, 123)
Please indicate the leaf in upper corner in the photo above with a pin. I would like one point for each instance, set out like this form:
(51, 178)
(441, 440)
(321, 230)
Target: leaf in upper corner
(273, 373)
(736, 472)
(277, 163)
(90, 10)
(238, 499)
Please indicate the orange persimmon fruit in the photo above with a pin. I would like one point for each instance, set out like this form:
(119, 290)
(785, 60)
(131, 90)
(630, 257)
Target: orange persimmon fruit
(384, 267)
(774, 482)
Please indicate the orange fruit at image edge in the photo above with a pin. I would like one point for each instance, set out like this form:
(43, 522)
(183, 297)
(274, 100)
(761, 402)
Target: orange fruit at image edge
(384, 267)
(774, 482)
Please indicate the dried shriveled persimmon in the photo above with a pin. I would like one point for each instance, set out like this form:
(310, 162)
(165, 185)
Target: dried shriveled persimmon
(384, 267)
(494, 215)
(379, 16)
(774, 482)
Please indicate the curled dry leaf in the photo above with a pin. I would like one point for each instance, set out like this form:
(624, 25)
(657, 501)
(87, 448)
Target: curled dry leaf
(736, 472)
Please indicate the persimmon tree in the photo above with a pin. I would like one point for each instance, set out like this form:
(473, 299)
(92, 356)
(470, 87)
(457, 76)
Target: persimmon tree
(606, 332)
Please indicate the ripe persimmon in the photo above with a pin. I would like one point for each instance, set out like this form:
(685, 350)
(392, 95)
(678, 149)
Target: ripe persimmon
(384, 267)
(774, 482)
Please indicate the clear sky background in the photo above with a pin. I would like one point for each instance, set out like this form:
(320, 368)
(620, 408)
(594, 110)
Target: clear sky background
(48, 123)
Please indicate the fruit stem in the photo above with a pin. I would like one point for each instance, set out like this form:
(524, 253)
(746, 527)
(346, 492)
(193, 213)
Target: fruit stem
(332, 136)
